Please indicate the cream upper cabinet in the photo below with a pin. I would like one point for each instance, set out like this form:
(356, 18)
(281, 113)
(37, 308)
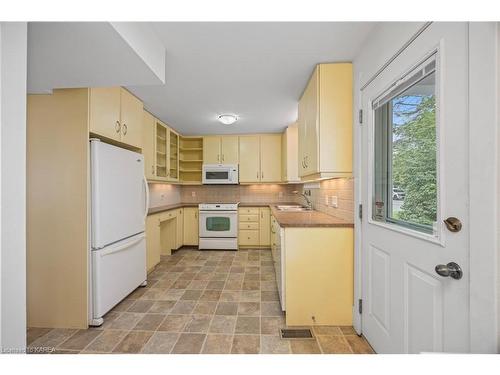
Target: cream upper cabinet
(173, 155)
(116, 114)
(104, 111)
(131, 119)
(148, 145)
(289, 154)
(325, 123)
(270, 158)
(312, 132)
(229, 149)
(261, 158)
(250, 160)
(191, 226)
(220, 149)
(265, 226)
(161, 151)
(211, 150)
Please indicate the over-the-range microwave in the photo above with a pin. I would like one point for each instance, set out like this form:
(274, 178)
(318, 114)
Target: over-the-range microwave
(220, 174)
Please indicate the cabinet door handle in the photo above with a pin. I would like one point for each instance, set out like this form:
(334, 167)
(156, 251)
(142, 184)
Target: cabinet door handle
(118, 127)
(222, 157)
(152, 169)
(257, 174)
(124, 129)
(218, 158)
(261, 174)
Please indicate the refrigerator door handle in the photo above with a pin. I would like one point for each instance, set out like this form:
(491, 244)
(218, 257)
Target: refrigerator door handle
(146, 189)
(122, 247)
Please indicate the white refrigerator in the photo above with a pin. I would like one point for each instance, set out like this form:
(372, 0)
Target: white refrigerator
(119, 195)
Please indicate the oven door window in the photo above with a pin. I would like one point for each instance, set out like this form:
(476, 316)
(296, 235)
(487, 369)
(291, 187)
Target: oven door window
(218, 224)
(217, 175)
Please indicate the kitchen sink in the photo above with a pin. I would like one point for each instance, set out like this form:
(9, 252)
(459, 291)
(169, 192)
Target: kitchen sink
(292, 208)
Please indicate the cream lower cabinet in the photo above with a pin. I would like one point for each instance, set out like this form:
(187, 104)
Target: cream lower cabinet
(164, 233)
(254, 227)
(153, 247)
(262, 161)
(191, 226)
(180, 228)
(265, 226)
(317, 266)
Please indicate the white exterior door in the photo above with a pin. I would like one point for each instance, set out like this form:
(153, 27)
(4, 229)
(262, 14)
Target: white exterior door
(407, 306)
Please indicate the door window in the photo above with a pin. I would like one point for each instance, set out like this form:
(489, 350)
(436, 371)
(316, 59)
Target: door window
(218, 224)
(217, 175)
(405, 152)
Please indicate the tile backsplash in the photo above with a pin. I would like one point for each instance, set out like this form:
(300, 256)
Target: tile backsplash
(343, 189)
(239, 193)
(164, 194)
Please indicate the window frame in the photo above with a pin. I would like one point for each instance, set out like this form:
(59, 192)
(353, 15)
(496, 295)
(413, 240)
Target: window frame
(412, 229)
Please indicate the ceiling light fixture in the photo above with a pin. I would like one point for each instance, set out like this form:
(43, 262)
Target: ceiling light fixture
(227, 119)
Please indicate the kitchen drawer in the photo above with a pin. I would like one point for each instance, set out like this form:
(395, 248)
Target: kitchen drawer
(249, 210)
(249, 218)
(248, 237)
(249, 225)
(167, 215)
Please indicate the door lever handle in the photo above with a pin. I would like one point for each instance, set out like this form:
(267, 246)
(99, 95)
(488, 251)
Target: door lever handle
(451, 269)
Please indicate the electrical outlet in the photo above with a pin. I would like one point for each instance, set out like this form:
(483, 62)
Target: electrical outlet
(334, 201)
(193, 194)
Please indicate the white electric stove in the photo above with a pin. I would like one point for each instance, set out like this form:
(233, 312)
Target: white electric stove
(218, 226)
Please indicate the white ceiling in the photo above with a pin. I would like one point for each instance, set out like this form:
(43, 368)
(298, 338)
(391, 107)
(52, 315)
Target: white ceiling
(83, 54)
(254, 70)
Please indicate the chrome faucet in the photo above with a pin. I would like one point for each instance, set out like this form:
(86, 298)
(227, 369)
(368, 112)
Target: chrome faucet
(309, 203)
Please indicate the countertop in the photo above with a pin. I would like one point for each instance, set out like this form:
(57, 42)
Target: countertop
(288, 219)
(304, 219)
(155, 210)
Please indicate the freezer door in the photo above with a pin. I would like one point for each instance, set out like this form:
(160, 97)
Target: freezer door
(119, 193)
(116, 271)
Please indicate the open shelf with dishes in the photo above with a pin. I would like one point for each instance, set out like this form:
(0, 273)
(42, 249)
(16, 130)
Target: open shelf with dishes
(191, 159)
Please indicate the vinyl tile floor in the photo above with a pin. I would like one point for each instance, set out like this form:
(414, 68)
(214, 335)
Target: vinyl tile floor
(209, 302)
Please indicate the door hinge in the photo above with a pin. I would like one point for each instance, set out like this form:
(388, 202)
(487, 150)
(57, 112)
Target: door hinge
(360, 306)
(360, 212)
(360, 116)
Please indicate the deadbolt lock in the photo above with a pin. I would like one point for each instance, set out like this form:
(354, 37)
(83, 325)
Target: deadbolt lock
(453, 224)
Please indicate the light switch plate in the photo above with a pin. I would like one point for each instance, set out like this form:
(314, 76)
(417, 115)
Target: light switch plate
(334, 201)
(193, 194)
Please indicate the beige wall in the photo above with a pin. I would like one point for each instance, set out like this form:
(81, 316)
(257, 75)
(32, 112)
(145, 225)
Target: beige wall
(343, 189)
